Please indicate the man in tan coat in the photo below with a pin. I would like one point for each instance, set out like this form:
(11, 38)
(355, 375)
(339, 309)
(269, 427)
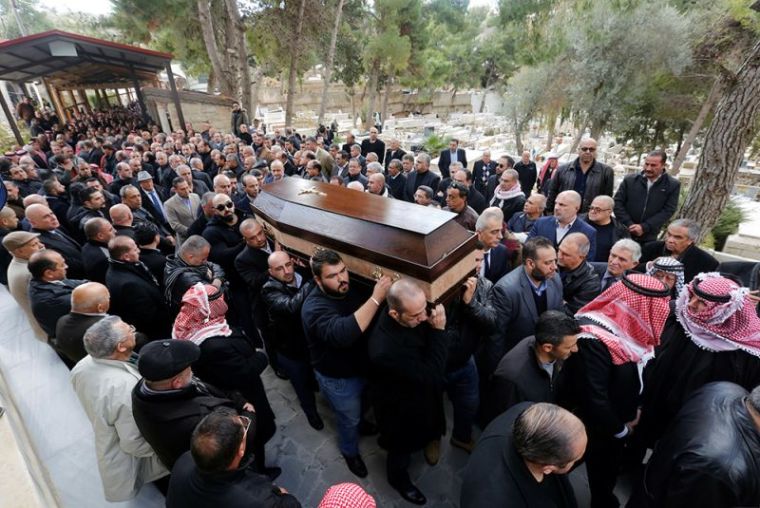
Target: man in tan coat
(22, 245)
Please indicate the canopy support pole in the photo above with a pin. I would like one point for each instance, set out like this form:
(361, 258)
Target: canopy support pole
(11, 120)
(175, 96)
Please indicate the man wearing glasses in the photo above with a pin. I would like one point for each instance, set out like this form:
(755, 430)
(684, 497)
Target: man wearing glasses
(608, 229)
(103, 381)
(585, 175)
(216, 472)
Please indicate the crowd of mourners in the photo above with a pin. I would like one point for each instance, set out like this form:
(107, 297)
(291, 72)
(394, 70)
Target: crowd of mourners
(593, 329)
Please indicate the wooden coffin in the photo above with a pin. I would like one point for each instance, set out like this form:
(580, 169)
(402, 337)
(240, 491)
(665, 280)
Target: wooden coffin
(374, 235)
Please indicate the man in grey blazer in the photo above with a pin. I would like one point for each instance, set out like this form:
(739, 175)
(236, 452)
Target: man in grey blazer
(521, 296)
(182, 208)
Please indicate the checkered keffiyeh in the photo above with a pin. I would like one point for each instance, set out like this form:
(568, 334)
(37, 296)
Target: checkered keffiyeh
(728, 320)
(670, 265)
(347, 495)
(201, 317)
(628, 318)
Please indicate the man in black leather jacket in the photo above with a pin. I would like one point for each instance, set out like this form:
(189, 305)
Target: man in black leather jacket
(580, 283)
(188, 267)
(695, 464)
(283, 295)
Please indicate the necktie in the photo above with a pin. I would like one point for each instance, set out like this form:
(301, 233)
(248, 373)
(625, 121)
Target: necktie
(607, 281)
(156, 203)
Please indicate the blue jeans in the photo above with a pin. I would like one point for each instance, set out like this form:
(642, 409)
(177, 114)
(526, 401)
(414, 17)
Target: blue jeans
(302, 378)
(345, 398)
(462, 388)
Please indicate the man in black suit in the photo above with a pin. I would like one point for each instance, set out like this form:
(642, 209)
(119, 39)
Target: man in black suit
(624, 256)
(43, 221)
(152, 200)
(482, 171)
(89, 304)
(350, 141)
(250, 191)
(147, 239)
(680, 243)
(526, 168)
(454, 153)
(49, 289)
(394, 152)
(396, 180)
(95, 251)
(251, 264)
(496, 262)
(475, 199)
(420, 176)
(373, 145)
(136, 295)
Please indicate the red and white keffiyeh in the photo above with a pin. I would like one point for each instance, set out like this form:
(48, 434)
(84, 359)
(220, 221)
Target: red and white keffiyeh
(628, 317)
(347, 495)
(727, 322)
(200, 317)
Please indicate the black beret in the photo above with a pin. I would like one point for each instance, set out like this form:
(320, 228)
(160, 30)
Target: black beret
(164, 359)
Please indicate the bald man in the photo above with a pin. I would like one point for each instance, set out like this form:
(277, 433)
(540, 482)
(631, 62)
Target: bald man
(95, 251)
(282, 296)
(136, 295)
(580, 282)
(565, 221)
(89, 304)
(376, 185)
(44, 221)
(408, 348)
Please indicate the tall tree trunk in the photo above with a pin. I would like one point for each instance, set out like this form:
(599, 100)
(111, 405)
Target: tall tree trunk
(483, 102)
(242, 55)
(579, 136)
(211, 85)
(696, 127)
(372, 90)
(330, 62)
(352, 94)
(733, 127)
(386, 96)
(258, 77)
(551, 122)
(207, 28)
(294, 53)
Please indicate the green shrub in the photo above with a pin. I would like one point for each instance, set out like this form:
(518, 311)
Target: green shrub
(728, 223)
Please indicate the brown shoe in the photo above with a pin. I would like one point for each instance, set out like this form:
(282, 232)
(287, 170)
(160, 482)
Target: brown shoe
(433, 452)
(467, 446)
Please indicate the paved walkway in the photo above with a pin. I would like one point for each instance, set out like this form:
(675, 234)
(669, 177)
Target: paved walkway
(311, 462)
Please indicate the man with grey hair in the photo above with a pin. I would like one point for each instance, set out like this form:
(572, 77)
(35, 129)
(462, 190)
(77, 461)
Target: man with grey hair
(680, 243)
(624, 256)
(396, 179)
(580, 283)
(522, 459)
(565, 221)
(421, 175)
(197, 186)
(374, 168)
(496, 258)
(608, 229)
(125, 460)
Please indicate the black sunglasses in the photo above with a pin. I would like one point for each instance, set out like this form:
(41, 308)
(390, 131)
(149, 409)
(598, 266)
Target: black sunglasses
(221, 208)
(588, 149)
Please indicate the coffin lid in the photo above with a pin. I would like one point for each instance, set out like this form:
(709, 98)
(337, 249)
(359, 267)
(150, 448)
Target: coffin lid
(414, 240)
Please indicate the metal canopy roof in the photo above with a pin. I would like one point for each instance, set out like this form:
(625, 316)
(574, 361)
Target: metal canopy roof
(70, 61)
